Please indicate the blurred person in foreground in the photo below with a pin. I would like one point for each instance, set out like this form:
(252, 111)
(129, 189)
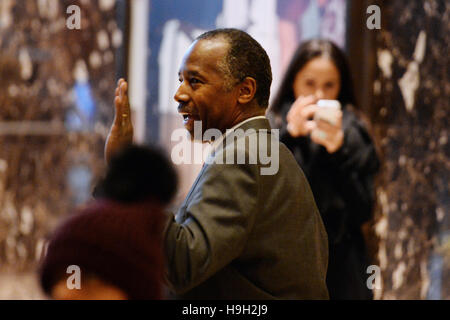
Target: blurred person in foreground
(239, 234)
(334, 149)
(116, 240)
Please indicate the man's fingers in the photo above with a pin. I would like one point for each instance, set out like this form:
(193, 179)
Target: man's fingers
(123, 89)
(121, 103)
(124, 97)
(118, 105)
(119, 87)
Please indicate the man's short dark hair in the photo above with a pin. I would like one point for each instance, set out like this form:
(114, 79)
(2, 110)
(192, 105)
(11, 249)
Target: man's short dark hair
(246, 58)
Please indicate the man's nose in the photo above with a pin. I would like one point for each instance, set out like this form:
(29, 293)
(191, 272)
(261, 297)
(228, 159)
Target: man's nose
(181, 95)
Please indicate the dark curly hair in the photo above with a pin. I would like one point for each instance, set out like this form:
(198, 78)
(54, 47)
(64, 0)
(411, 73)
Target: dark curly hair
(245, 58)
(138, 173)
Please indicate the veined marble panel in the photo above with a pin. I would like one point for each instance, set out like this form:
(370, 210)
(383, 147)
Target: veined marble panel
(411, 115)
(56, 99)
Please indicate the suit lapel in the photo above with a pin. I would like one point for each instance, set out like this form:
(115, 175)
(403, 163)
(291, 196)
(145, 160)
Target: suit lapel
(256, 124)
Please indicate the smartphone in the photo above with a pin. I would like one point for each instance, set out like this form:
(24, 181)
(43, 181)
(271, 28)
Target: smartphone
(328, 111)
(333, 104)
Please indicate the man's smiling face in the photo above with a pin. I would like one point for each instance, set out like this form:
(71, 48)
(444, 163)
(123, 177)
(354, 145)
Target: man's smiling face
(204, 94)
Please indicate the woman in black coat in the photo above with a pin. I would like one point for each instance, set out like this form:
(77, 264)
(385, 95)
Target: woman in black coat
(336, 153)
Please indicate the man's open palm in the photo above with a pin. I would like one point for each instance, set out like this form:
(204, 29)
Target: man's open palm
(121, 133)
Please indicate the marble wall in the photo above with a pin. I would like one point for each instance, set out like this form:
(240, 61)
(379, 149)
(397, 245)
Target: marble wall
(56, 93)
(410, 113)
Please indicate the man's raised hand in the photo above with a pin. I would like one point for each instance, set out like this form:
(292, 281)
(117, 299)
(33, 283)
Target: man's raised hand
(121, 133)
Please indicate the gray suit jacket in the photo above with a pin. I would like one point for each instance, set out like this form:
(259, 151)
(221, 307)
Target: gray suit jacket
(241, 234)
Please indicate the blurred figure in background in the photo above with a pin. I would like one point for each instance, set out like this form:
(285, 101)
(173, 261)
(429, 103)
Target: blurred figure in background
(336, 153)
(116, 240)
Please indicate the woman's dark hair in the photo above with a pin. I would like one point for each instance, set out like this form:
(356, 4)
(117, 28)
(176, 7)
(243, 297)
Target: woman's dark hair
(306, 52)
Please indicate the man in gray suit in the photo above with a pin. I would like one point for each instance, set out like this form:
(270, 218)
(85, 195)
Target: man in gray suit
(240, 233)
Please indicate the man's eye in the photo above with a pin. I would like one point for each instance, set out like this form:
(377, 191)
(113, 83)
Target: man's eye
(194, 80)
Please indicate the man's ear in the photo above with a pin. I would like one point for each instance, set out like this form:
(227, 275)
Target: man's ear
(247, 90)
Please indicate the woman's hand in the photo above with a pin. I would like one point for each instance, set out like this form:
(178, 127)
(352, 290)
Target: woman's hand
(330, 135)
(121, 133)
(300, 115)
(323, 132)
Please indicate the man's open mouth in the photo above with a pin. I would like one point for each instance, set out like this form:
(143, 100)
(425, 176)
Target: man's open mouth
(186, 115)
(189, 118)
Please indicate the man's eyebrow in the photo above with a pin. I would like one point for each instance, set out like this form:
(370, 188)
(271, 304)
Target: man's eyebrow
(194, 73)
(190, 72)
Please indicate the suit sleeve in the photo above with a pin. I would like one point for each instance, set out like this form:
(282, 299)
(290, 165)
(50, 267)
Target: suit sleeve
(217, 221)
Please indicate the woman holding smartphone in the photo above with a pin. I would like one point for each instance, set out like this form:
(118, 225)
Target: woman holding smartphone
(336, 153)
